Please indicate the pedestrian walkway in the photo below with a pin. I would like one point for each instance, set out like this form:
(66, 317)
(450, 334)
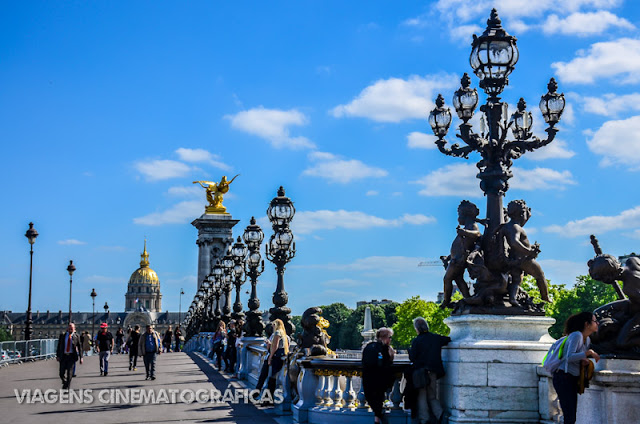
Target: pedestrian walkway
(181, 372)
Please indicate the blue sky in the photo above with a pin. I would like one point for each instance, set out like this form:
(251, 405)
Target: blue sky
(108, 112)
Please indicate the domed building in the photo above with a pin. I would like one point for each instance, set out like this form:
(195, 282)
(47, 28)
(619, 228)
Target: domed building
(143, 305)
(143, 291)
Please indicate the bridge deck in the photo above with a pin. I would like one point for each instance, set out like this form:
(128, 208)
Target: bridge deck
(174, 371)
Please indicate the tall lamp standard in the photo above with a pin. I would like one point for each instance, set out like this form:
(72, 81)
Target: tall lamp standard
(70, 269)
(239, 252)
(228, 264)
(218, 277)
(494, 55)
(253, 237)
(280, 250)
(31, 235)
(180, 307)
(93, 319)
(106, 311)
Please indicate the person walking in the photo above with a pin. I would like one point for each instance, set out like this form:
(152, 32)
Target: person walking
(149, 346)
(426, 356)
(230, 354)
(132, 343)
(119, 340)
(166, 341)
(86, 343)
(577, 330)
(68, 352)
(377, 357)
(104, 341)
(179, 339)
(217, 345)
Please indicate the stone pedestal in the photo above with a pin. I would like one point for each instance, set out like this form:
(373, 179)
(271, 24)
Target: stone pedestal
(491, 368)
(613, 394)
(215, 233)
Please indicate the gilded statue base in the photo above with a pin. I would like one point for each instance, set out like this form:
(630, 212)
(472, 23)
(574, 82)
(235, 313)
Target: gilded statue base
(215, 210)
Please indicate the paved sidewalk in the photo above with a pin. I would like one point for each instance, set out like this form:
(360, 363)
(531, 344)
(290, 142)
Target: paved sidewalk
(173, 371)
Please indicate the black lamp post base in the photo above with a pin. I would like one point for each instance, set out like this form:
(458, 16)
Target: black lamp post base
(283, 313)
(254, 326)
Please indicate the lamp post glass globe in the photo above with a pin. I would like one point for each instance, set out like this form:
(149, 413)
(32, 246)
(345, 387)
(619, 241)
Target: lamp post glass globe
(465, 99)
(31, 234)
(440, 118)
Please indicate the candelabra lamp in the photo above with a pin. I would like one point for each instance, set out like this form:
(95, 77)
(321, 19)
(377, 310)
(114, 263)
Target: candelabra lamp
(254, 266)
(280, 250)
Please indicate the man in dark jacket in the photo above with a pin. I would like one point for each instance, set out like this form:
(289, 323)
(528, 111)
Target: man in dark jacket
(426, 356)
(132, 343)
(377, 378)
(69, 350)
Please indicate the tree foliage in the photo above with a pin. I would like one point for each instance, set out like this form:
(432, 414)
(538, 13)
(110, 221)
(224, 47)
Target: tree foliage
(403, 331)
(5, 335)
(346, 324)
(587, 295)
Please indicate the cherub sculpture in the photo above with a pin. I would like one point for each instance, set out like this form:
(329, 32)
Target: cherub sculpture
(215, 192)
(619, 330)
(521, 253)
(466, 241)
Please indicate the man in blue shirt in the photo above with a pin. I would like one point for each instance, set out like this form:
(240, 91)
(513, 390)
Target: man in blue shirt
(148, 346)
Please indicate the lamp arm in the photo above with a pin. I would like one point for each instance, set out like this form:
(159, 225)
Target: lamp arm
(455, 150)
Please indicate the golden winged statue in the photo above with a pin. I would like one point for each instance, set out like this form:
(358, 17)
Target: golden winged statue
(215, 192)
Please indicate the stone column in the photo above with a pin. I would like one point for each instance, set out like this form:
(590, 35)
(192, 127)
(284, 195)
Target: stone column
(215, 233)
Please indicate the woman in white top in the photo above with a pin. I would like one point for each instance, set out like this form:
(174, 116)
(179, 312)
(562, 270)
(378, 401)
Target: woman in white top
(577, 328)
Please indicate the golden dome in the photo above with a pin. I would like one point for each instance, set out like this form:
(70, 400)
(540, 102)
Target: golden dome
(144, 274)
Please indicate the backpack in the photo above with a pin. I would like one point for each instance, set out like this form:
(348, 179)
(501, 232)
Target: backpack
(554, 357)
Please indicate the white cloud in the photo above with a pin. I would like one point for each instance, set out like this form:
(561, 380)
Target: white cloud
(452, 180)
(418, 140)
(71, 242)
(540, 179)
(460, 13)
(186, 191)
(460, 180)
(202, 156)
(584, 24)
(618, 142)
(372, 193)
(396, 99)
(343, 171)
(625, 220)
(272, 125)
(306, 222)
(345, 282)
(619, 58)
(557, 149)
(379, 264)
(612, 104)
(180, 213)
(156, 170)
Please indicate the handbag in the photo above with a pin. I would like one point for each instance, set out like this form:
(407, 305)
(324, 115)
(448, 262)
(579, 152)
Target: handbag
(421, 378)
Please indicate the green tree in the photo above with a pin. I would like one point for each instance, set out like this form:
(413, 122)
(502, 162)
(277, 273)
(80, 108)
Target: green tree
(587, 295)
(295, 319)
(350, 337)
(5, 335)
(407, 311)
(337, 314)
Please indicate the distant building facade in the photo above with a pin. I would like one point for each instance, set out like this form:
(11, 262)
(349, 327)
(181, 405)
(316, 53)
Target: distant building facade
(373, 302)
(143, 305)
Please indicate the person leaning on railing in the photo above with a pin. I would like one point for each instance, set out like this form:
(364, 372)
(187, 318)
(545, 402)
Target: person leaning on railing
(377, 377)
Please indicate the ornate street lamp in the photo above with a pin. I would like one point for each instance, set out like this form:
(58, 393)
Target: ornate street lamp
(218, 275)
(239, 252)
(31, 235)
(93, 319)
(180, 308)
(70, 269)
(280, 250)
(493, 57)
(228, 265)
(253, 237)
